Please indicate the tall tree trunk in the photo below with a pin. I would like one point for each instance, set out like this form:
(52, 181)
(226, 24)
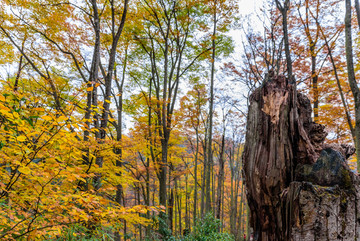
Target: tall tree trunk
(178, 201)
(171, 210)
(341, 92)
(284, 9)
(174, 233)
(357, 7)
(203, 183)
(148, 161)
(221, 177)
(312, 41)
(240, 219)
(209, 162)
(163, 191)
(351, 78)
(222, 206)
(94, 70)
(187, 217)
(138, 203)
(16, 84)
(118, 150)
(213, 192)
(101, 134)
(232, 199)
(170, 207)
(195, 177)
(314, 77)
(248, 225)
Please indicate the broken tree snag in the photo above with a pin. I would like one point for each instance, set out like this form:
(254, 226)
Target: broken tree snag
(288, 169)
(268, 155)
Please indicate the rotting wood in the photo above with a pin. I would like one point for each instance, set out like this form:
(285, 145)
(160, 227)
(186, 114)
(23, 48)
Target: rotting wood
(298, 188)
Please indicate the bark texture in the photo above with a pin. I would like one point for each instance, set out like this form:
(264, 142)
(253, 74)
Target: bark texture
(298, 188)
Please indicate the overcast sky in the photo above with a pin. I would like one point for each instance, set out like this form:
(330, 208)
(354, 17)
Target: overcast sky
(248, 6)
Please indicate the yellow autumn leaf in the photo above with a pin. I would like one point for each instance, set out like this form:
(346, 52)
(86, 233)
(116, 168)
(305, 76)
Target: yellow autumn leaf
(94, 129)
(62, 118)
(47, 118)
(2, 98)
(90, 88)
(24, 170)
(21, 138)
(2, 107)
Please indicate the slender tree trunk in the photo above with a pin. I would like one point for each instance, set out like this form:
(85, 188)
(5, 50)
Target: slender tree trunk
(195, 177)
(101, 134)
(209, 162)
(221, 177)
(248, 225)
(178, 197)
(351, 78)
(94, 70)
(109, 76)
(171, 210)
(147, 195)
(165, 118)
(213, 187)
(163, 186)
(94, 76)
(16, 84)
(240, 229)
(357, 7)
(312, 40)
(175, 231)
(341, 92)
(118, 150)
(187, 218)
(284, 9)
(314, 77)
(238, 181)
(232, 203)
(203, 183)
(148, 161)
(138, 203)
(222, 206)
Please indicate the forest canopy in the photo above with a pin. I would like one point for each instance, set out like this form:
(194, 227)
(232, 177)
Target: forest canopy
(125, 120)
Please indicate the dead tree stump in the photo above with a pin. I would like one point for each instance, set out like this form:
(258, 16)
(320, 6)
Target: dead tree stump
(298, 188)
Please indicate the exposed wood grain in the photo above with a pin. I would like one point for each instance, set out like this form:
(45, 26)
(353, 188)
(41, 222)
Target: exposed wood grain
(280, 139)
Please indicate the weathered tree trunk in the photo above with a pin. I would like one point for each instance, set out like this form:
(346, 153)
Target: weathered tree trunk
(297, 187)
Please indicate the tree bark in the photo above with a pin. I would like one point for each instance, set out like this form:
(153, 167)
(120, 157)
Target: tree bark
(351, 77)
(220, 189)
(209, 162)
(298, 188)
(284, 9)
(341, 92)
(357, 8)
(195, 177)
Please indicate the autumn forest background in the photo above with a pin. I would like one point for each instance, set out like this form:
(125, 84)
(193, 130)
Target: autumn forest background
(125, 120)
